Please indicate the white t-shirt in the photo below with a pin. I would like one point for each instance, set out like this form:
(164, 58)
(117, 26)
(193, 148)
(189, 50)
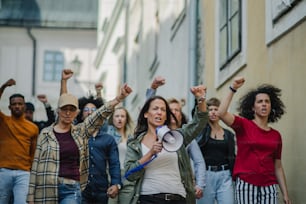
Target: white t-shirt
(162, 175)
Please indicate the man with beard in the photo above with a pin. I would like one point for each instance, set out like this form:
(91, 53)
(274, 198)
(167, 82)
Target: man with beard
(17, 145)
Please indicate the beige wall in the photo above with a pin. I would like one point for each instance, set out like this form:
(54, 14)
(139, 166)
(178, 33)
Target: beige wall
(282, 63)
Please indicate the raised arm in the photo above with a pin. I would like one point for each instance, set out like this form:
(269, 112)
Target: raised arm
(225, 116)
(50, 113)
(199, 93)
(99, 87)
(125, 90)
(9, 82)
(157, 82)
(66, 74)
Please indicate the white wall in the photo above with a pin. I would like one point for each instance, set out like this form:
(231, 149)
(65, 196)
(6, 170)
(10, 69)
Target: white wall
(16, 55)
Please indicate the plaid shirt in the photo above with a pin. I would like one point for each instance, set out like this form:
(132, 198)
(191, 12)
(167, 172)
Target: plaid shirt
(45, 168)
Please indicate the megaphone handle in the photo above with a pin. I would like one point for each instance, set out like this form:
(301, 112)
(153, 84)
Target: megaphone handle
(141, 166)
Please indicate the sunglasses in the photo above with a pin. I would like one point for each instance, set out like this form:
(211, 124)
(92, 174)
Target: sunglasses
(86, 109)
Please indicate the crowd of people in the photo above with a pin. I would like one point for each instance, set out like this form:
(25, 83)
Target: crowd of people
(89, 151)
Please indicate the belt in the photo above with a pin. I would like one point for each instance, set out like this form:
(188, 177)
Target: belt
(67, 181)
(218, 167)
(166, 196)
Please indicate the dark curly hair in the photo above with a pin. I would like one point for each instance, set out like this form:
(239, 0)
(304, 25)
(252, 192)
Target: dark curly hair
(142, 122)
(247, 101)
(98, 102)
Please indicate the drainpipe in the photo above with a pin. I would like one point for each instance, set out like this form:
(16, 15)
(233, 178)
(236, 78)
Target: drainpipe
(193, 15)
(126, 31)
(33, 61)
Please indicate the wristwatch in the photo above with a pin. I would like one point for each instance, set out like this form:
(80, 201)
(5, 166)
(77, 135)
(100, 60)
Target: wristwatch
(118, 186)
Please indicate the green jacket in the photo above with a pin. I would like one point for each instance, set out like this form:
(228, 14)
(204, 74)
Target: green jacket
(130, 194)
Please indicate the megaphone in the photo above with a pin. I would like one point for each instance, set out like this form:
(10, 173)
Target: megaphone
(172, 139)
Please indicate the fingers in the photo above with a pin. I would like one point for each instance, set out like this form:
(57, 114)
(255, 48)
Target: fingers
(158, 81)
(157, 147)
(112, 191)
(99, 86)
(127, 89)
(10, 82)
(238, 82)
(198, 193)
(124, 92)
(198, 91)
(67, 73)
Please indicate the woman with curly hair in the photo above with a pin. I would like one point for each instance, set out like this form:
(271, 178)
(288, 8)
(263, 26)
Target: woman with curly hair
(258, 167)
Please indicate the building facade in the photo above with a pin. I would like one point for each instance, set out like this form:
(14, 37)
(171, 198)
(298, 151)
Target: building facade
(141, 39)
(264, 41)
(40, 38)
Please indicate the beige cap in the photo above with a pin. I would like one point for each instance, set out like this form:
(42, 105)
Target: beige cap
(68, 99)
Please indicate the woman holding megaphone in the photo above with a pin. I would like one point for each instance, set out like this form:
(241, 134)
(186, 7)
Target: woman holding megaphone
(167, 178)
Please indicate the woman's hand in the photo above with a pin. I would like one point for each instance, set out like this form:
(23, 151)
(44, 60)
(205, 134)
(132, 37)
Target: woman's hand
(156, 147)
(198, 91)
(238, 82)
(112, 191)
(124, 92)
(198, 192)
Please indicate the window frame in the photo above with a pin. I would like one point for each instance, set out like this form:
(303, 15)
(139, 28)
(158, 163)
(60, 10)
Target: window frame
(287, 20)
(237, 60)
(55, 74)
(179, 19)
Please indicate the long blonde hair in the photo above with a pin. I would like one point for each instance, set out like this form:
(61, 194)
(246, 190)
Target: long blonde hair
(129, 126)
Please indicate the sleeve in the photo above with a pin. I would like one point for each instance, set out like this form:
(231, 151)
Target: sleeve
(95, 120)
(114, 164)
(131, 162)
(33, 171)
(50, 115)
(199, 165)
(238, 125)
(150, 93)
(34, 142)
(279, 148)
(192, 129)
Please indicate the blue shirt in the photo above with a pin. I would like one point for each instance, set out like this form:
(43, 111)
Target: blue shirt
(102, 150)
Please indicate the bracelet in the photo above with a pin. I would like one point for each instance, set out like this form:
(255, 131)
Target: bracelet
(201, 99)
(232, 89)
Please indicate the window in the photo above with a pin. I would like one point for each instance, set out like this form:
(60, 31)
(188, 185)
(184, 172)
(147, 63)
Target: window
(230, 38)
(53, 65)
(179, 12)
(229, 31)
(283, 15)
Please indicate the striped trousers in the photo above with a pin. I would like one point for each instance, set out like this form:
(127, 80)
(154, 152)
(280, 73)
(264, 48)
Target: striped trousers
(246, 193)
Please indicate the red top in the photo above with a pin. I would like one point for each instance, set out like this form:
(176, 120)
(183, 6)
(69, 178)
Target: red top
(257, 150)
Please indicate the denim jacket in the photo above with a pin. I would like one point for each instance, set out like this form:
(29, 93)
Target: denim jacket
(103, 151)
(134, 153)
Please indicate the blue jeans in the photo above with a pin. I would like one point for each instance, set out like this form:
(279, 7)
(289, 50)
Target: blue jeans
(14, 183)
(219, 187)
(69, 193)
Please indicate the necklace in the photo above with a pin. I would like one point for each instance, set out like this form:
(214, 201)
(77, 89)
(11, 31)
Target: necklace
(215, 136)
